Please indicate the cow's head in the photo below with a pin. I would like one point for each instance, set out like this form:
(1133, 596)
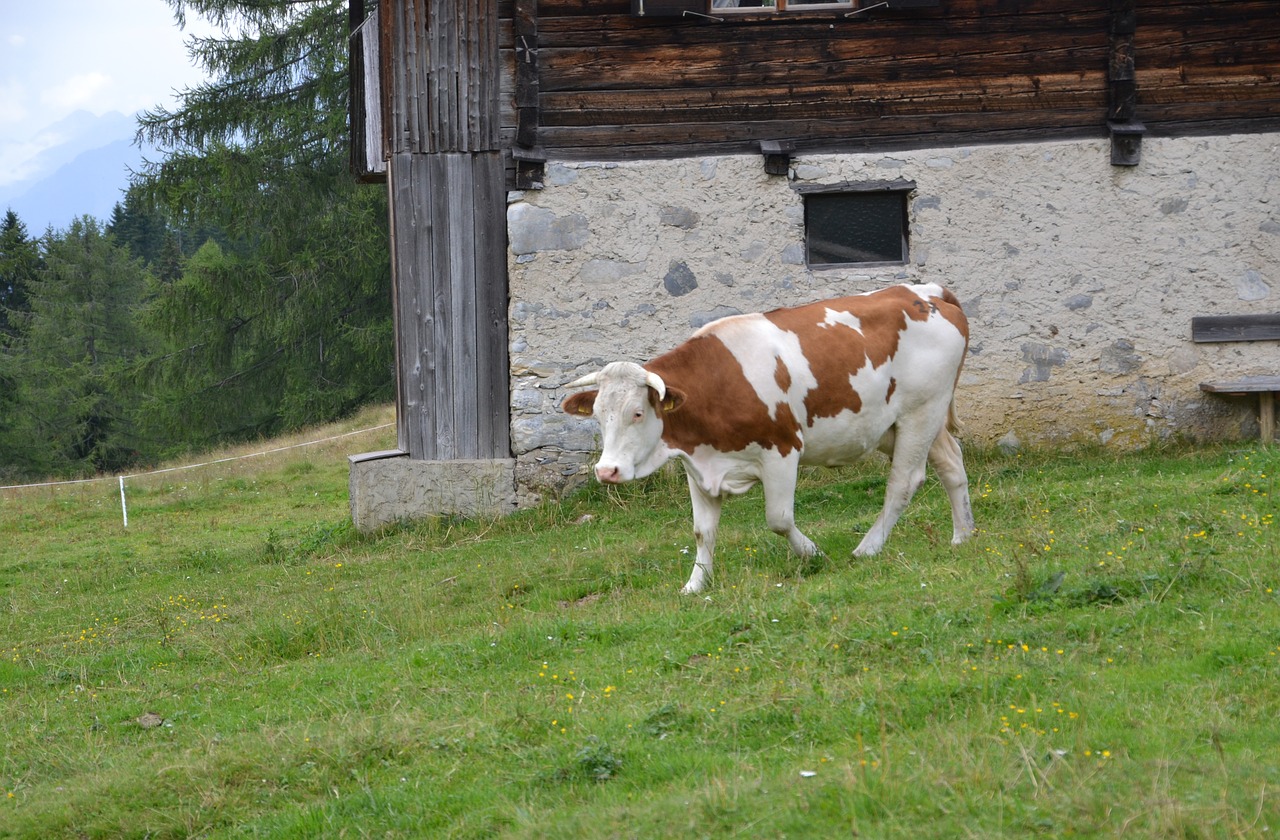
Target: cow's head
(629, 406)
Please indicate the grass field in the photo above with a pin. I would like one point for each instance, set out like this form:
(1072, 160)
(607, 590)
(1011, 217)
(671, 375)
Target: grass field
(1102, 660)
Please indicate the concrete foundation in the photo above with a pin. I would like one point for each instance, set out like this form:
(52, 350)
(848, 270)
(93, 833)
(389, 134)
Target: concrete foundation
(388, 487)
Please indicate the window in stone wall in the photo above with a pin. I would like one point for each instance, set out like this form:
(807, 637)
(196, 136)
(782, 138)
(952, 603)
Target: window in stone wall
(856, 224)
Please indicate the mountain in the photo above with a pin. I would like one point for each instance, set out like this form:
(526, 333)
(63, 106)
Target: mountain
(79, 165)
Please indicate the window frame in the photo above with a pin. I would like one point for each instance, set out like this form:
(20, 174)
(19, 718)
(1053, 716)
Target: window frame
(900, 186)
(827, 8)
(782, 7)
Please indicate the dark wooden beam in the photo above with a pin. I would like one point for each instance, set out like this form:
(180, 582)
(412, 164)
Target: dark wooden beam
(1215, 328)
(530, 167)
(1122, 86)
(527, 82)
(777, 155)
(355, 81)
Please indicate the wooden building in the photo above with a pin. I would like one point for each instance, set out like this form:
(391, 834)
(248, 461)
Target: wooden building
(458, 102)
(626, 79)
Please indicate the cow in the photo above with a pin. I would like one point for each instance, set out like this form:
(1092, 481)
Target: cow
(750, 398)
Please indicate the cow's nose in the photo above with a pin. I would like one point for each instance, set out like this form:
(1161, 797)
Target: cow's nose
(608, 475)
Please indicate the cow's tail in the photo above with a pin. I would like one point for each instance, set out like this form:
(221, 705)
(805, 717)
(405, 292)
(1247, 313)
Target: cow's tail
(953, 417)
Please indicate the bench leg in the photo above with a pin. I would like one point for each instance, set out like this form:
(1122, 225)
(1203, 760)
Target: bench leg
(1267, 416)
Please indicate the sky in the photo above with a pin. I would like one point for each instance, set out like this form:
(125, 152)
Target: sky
(60, 56)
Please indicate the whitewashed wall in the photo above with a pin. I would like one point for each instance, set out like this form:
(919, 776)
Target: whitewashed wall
(1079, 278)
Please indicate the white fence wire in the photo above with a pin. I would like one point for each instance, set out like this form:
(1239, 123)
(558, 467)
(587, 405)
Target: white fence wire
(124, 510)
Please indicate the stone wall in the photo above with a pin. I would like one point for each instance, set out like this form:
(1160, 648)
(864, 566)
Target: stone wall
(1079, 278)
(388, 487)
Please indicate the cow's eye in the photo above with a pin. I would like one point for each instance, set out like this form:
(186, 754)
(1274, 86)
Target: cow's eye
(638, 415)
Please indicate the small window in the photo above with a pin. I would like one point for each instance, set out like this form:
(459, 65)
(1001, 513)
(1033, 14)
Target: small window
(713, 9)
(856, 224)
(778, 5)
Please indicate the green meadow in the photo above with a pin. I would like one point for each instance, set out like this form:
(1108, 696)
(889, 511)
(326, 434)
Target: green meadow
(1101, 660)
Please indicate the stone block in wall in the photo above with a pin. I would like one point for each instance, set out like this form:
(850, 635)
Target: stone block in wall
(550, 474)
(553, 428)
(389, 487)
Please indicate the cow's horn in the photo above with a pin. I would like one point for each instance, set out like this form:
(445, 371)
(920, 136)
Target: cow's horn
(656, 383)
(589, 379)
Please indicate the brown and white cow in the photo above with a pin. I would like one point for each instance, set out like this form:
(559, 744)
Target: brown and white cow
(750, 398)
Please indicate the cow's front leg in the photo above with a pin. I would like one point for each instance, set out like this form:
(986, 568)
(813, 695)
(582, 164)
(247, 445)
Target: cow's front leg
(706, 522)
(779, 479)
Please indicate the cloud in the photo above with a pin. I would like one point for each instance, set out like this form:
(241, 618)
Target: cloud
(17, 162)
(12, 95)
(62, 56)
(76, 92)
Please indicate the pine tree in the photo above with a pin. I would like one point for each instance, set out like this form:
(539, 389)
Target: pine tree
(73, 357)
(19, 261)
(139, 226)
(167, 265)
(289, 316)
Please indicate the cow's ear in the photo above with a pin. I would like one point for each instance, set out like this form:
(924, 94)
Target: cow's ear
(581, 404)
(673, 400)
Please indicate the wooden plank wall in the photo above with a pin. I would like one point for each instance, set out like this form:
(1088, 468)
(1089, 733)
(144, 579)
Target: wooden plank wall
(448, 227)
(1208, 67)
(450, 306)
(443, 58)
(613, 85)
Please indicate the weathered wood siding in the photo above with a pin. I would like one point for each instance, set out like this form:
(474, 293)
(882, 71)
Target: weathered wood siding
(1208, 67)
(443, 58)
(611, 85)
(445, 177)
(368, 157)
(450, 304)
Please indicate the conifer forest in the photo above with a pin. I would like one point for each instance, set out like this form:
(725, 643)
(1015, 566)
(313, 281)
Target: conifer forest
(240, 287)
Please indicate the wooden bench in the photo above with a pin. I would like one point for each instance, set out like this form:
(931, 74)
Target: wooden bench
(1207, 329)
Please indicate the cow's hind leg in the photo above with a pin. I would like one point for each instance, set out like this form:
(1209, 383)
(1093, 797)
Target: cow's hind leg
(779, 479)
(906, 473)
(947, 459)
(706, 523)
